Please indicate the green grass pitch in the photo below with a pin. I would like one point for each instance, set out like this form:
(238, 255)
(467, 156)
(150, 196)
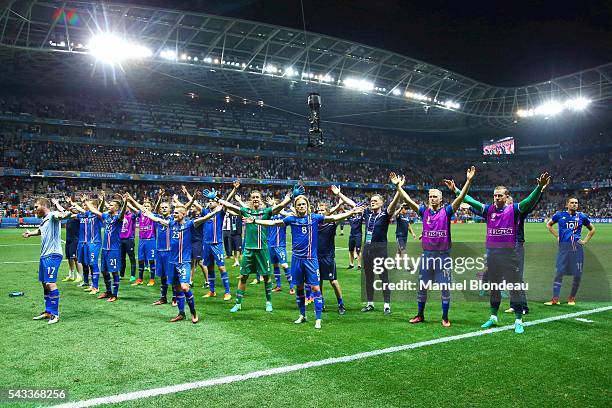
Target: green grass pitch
(100, 349)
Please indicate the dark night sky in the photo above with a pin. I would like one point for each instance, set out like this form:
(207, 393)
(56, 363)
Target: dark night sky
(500, 42)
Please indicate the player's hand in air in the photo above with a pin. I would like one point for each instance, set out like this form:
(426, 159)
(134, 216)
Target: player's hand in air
(396, 179)
(184, 190)
(162, 192)
(335, 190)
(270, 201)
(210, 194)
(236, 184)
(471, 173)
(298, 190)
(544, 180)
(450, 184)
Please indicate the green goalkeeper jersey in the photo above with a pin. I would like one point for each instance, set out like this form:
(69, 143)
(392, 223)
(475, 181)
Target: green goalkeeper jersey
(256, 236)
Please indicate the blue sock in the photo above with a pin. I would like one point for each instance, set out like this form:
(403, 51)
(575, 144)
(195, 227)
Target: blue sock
(318, 303)
(95, 279)
(445, 307)
(575, 286)
(86, 274)
(211, 279)
(277, 276)
(289, 278)
(340, 301)
(557, 286)
(225, 279)
(107, 282)
(140, 269)
(164, 287)
(180, 300)
(152, 269)
(190, 302)
(421, 308)
(54, 297)
(47, 304)
(301, 303)
(115, 284)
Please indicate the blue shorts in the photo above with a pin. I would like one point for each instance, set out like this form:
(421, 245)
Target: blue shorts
(236, 242)
(82, 253)
(93, 253)
(355, 242)
(71, 249)
(48, 268)
(179, 273)
(327, 268)
(162, 263)
(435, 265)
(213, 254)
(304, 271)
(111, 260)
(278, 255)
(401, 243)
(196, 250)
(146, 250)
(570, 262)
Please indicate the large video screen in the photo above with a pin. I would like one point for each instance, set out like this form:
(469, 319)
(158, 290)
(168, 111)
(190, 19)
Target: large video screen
(498, 147)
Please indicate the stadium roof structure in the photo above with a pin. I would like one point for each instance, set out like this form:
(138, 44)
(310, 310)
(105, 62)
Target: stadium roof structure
(45, 43)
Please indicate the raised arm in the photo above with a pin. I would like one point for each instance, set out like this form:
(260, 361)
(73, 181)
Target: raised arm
(123, 208)
(208, 216)
(276, 209)
(153, 218)
(344, 215)
(230, 206)
(93, 209)
(160, 197)
(196, 194)
(189, 197)
(528, 203)
(468, 182)
(477, 205)
(334, 208)
(139, 207)
(403, 194)
(341, 196)
(102, 205)
(232, 193)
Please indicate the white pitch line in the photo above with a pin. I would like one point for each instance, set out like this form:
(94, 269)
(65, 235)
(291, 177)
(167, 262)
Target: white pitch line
(172, 389)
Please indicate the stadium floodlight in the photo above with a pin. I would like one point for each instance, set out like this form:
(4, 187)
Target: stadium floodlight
(396, 92)
(208, 60)
(359, 84)
(550, 108)
(270, 69)
(168, 55)
(290, 71)
(111, 49)
(216, 60)
(577, 104)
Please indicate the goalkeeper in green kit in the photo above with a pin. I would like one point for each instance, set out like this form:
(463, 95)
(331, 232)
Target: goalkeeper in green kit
(256, 256)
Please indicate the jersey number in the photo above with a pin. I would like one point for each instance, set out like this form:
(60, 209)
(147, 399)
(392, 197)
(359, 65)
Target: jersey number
(304, 230)
(50, 271)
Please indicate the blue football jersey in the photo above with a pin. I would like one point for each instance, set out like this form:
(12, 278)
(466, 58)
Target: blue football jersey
(304, 234)
(213, 228)
(570, 226)
(327, 240)
(112, 229)
(277, 236)
(180, 241)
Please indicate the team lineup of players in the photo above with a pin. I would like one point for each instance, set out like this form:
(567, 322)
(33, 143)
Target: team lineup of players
(176, 238)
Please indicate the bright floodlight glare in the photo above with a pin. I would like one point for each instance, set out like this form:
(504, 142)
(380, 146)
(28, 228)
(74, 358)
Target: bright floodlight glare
(578, 103)
(396, 92)
(359, 84)
(168, 54)
(111, 49)
(550, 108)
(271, 69)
